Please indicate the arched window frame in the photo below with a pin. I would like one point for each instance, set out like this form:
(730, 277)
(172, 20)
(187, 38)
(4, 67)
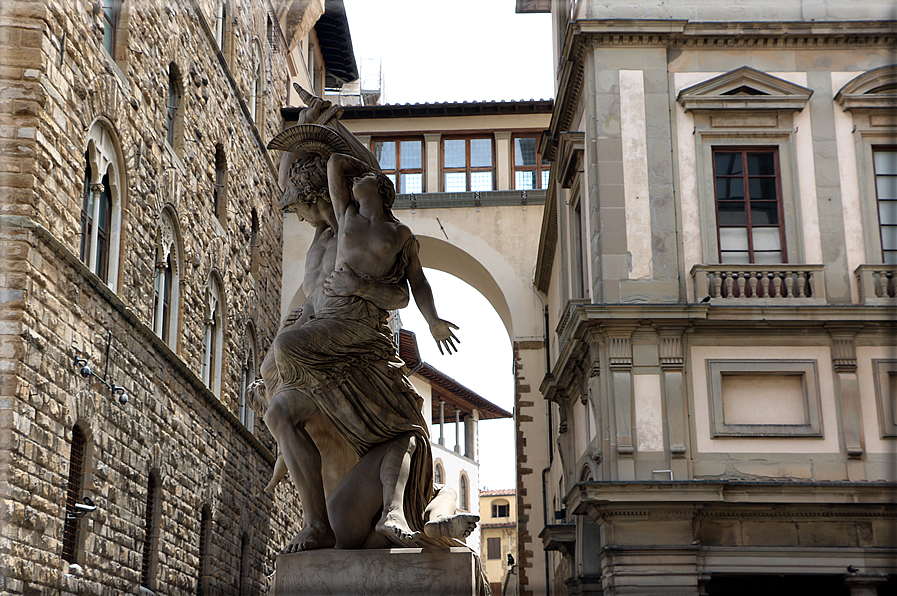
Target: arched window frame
(254, 241)
(223, 27)
(219, 189)
(205, 543)
(213, 336)
(102, 199)
(151, 523)
(175, 106)
(257, 85)
(464, 492)
(73, 535)
(438, 472)
(167, 280)
(248, 374)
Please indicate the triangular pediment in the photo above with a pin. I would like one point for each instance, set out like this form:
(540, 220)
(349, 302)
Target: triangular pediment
(745, 88)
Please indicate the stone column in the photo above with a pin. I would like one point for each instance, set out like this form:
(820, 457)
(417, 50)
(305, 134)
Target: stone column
(672, 363)
(503, 159)
(457, 431)
(592, 337)
(160, 301)
(844, 361)
(471, 436)
(432, 165)
(95, 190)
(441, 423)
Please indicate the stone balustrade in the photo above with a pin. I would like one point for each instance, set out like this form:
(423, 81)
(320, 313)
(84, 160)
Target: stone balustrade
(750, 284)
(877, 284)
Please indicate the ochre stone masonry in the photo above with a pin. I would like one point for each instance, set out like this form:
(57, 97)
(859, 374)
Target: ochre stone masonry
(56, 82)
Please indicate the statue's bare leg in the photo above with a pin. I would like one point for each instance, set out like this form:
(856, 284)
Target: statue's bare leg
(442, 519)
(285, 418)
(394, 472)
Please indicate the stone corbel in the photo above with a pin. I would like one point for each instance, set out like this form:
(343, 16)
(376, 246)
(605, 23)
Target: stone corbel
(619, 357)
(592, 338)
(672, 364)
(844, 362)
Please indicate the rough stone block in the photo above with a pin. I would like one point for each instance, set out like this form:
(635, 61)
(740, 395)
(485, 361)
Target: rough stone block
(399, 571)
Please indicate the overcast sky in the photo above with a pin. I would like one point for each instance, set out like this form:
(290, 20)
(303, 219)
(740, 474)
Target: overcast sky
(464, 50)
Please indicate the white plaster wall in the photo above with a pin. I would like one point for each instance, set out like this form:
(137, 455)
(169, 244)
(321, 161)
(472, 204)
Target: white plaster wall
(828, 443)
(633, 131)
(453, 465)
(648, 412)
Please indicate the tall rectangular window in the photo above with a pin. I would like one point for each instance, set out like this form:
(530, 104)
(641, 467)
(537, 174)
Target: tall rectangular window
(467, 165)
(73, 496)
(530, 168)
(493, 548)
(747, 184)
(885, 167)
(402, 161)
(111, 9)
(149, 527)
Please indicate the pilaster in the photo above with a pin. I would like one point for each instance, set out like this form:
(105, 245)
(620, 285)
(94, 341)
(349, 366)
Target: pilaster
(672, 365)
(844, 362)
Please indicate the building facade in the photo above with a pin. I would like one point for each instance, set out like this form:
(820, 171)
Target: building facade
(498, 539)
(717, 255)
(140, 284)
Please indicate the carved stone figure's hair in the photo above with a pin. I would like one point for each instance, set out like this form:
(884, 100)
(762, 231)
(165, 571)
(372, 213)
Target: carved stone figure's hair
(307, 182)
(387, 190)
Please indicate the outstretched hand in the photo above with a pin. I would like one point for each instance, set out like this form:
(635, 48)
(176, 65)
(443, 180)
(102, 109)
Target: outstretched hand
(442, 333)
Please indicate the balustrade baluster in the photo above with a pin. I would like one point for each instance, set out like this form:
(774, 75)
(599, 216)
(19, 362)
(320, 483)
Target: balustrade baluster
(777, 284)
(729, 284)
(752, 282)
(789, 284)
(801, 284)
(740, 283)
(764, 283)
(890, 290)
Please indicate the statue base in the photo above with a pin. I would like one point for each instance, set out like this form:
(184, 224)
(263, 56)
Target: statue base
(374, 572)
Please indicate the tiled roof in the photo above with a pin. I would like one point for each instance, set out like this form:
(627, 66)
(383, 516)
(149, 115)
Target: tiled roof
(498, 492)
(460, 108)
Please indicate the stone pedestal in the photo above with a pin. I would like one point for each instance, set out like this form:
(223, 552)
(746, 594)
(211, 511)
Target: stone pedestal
(375, 572)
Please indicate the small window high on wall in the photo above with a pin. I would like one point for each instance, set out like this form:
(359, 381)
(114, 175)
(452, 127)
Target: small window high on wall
(71, 533)
(402, 162)
(467, 165)
(111, 12)
(748, 205)
(530, 168)
(101, 201)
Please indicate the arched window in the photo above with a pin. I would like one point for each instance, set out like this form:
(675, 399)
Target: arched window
(438, 474)
(175, 108)
(501, 508)
(166, 285)
(205, 535)
(254, 249)
(101, 204)
(248, 376)
(219, 192)
(221, 24)
(256, 99)
(71, 533)
(151, 532)
(213, 339)
(463, 493)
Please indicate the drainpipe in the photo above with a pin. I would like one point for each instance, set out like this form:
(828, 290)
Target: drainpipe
(550, 454)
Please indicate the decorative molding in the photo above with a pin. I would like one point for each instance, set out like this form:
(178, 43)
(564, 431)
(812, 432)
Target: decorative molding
(844, 352)
(874, 89)
(761, 92)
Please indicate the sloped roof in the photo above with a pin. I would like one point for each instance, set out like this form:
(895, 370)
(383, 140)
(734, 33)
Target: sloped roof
(453, 393)
(335, 40)
(417, 110)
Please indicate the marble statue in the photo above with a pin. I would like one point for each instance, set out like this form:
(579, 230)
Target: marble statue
(347, 421)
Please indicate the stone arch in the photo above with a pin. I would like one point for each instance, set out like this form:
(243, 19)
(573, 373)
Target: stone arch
(215, 320)
(881, 82)
(169, 249)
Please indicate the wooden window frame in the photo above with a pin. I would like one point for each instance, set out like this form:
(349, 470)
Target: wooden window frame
(878, 200)
(399, 171)
(467, 169)
(745, 150)
(538, 168)
(490, 548)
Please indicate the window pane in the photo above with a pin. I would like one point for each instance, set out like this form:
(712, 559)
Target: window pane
(890, 257)
(768, 258)
(767, 239)
(525, 180)
(733, 239)
(761, 164)
(889, 237)
(763, 188)
(480, 153)
(545, 178)
(410, 152)
(455, 182)
(412, 183)
(454, 153)
(385, 152)
(885, 162)
(887, 213)
(735, 257)
(764, 213)
(481, 181)
(886, 187)
(728, 164)
(731, 213)
(729, 188)
(525, 152)
(392, 178)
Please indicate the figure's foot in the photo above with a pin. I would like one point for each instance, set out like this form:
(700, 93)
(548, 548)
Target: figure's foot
(459, 525)
(393, 525)
(311, 538)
